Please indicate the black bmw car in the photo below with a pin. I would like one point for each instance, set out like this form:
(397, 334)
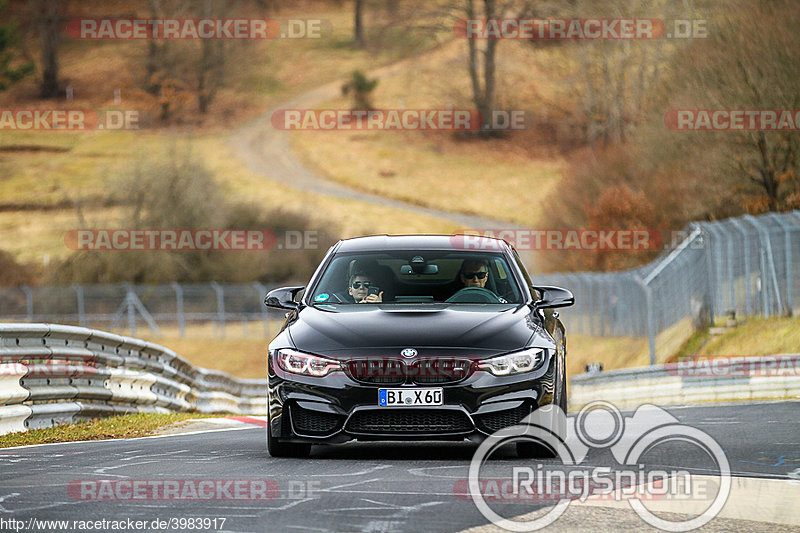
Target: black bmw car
(417, 337)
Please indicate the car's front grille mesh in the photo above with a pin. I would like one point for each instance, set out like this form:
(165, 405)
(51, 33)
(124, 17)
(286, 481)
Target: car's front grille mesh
(308, 421)
(503, 419)
(408, 421)
(377, 371)
(440, 370)
(430, 371)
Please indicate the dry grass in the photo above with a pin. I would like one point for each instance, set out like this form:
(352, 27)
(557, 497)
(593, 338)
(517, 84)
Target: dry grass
(497, 179)
(38, 237)
(756, 336)
(347, 218)
(623, 352)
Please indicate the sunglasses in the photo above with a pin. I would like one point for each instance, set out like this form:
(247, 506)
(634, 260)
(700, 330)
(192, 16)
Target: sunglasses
(359, 284)
(473, 275)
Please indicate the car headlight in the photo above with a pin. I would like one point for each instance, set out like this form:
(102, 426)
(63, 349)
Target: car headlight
(519, 362)
(305, 364)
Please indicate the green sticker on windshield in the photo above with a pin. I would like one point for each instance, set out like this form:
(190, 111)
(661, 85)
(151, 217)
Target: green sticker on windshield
(321, 297)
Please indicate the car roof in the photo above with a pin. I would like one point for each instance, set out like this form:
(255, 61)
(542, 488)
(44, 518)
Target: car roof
(456, 242)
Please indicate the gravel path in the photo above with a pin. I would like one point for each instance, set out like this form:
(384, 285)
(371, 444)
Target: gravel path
(267, 152)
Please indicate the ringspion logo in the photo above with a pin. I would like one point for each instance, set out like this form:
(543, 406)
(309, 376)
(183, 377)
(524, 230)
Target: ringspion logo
(599, 425)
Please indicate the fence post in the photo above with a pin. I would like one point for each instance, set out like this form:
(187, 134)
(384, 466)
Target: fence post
(220, 307)
(651, 326)
(748, 306)
(28, 301)
(261, 292)
(81, 305)
(769, 263)
(131, 309)
(731, 278)
(712, 285)
(787, 236)
(179, 308)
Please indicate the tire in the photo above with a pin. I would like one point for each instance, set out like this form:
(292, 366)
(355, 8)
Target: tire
(276, 448)
(530, 449)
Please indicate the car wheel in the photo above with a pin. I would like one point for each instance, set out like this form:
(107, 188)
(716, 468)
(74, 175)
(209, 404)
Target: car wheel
(276, 448)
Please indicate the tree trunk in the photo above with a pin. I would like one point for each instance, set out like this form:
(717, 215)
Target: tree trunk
(48, 33)
(210, 72)
(482, 93)
(358, 23)
(151, 85)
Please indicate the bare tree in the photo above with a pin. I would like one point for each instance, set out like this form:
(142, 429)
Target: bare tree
(358, 23)
(177, 69)
(481, 53)
(609, 83)
(211, 66)
(48, 16)
(742, 66)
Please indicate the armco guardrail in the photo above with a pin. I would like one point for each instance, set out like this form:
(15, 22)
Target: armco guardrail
(54, 374)
(774, 377)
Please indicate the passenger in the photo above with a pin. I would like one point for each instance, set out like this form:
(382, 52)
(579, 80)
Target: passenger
(358, 288)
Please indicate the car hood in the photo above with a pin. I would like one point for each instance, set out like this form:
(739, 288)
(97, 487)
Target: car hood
(467, 330)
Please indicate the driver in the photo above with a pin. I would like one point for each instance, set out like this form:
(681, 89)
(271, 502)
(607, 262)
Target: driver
(474, 273)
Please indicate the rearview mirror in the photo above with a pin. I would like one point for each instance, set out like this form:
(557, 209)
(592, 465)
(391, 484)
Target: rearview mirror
(283, 298)
(553, 297)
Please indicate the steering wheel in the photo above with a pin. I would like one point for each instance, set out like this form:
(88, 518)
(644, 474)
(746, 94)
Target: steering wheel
(474, 295)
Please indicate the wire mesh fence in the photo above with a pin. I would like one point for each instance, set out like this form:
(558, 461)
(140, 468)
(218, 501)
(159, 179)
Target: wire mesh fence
(747, 265)
(129, 307)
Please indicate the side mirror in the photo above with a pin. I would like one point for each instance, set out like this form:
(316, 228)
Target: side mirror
(553, 297)
(283, 298)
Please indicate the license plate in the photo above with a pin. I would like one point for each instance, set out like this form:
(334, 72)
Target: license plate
(409, 397)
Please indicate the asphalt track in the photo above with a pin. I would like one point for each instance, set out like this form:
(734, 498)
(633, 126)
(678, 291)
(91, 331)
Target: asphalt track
(353, 487)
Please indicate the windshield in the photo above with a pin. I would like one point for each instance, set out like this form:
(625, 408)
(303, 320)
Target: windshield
(417, 277)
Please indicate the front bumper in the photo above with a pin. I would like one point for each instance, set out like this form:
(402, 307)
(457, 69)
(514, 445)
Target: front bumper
(336, 408)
